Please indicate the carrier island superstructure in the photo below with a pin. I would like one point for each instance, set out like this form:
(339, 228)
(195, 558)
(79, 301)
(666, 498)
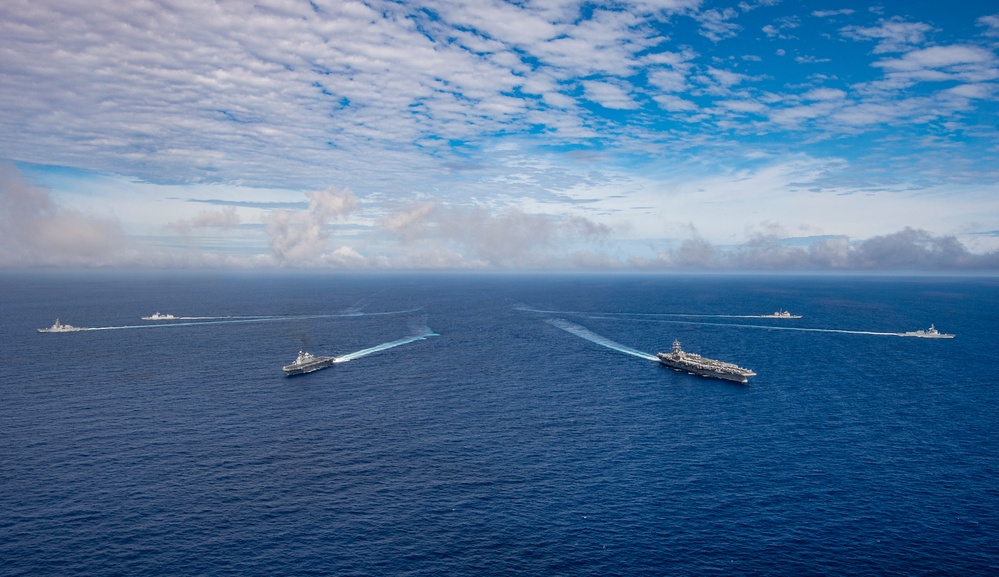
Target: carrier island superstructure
(679, 360)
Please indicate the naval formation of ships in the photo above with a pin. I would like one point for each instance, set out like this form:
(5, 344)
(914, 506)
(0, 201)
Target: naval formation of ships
(676, 359)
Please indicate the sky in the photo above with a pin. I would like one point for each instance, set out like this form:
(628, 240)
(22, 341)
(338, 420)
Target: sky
(492, 134)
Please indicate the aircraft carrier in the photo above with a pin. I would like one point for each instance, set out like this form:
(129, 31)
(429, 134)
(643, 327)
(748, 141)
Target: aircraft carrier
(306, 363)
(698, 365)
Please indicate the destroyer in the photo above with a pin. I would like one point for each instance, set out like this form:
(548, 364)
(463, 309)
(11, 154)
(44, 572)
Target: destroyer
(58, 327)
(159, 317)
(781, 315)
(306, 363)
(698, 365)
(930, 333)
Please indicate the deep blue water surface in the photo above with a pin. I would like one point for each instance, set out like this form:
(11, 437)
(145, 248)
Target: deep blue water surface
(504, 445)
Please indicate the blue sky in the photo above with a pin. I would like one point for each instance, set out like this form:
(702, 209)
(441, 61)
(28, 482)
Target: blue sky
(553, 134)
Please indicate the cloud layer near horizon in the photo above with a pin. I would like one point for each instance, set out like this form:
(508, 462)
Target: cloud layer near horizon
(908, 250)
(37, 231)
(34, 230)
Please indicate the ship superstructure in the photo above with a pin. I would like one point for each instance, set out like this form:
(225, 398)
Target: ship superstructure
(306, 363)
(697, 365)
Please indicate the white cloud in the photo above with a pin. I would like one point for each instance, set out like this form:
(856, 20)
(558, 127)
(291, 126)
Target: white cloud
(37, 231)
(991, 24)
(810, 60)
(829, 13)
(716, 25)
(610, 94)
(742, 106)
(223, 218)
(972, 90)
(438, 235)
(795, 116)
(675, 103)
(894, 35)
(824, 94)
(780, 27)
(726, 78)
(949, 62)
(668, 80)
(908, 250)
(299, 238)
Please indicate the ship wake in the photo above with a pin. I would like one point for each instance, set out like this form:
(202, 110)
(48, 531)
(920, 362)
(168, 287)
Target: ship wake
(625, 315)
(747, 326)
(585, 333)
(424, 333)
(192, 322)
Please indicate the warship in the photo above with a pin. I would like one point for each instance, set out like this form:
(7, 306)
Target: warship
(159, 317)
(698, 365)
(306, 363)
(930, 333)
(58, 327)
(781, 315)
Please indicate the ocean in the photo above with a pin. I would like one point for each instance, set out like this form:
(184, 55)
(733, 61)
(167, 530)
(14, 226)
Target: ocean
(466, 433)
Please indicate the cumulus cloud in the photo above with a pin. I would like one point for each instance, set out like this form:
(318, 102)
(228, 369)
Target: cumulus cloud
(610, 95)
(939, 63)
(830, 13)
(918, 250)
(299, 238)
(224, 218)
(991, 24)
(35, 230)
(716, 24)
(892, 35)
(824, 94)
(905, 250)
(779, 28)
(675, 103)
(476, 236)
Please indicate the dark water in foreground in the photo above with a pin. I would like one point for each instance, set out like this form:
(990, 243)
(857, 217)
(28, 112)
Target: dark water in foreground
(504, 445)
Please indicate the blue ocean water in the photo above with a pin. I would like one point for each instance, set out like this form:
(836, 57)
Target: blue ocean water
(505, 445)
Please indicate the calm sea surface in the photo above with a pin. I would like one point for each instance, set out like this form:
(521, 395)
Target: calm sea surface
(503, 445)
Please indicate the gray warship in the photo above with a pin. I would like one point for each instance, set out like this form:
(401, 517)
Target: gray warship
(930, 333)
(306, 363)
(698, 365)
(58, 327)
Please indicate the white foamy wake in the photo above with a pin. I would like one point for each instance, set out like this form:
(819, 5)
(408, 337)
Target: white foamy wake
(243, 319)
(585, 333)
(529, 309)
(745, 326)
(385, 346)
(659, 318)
